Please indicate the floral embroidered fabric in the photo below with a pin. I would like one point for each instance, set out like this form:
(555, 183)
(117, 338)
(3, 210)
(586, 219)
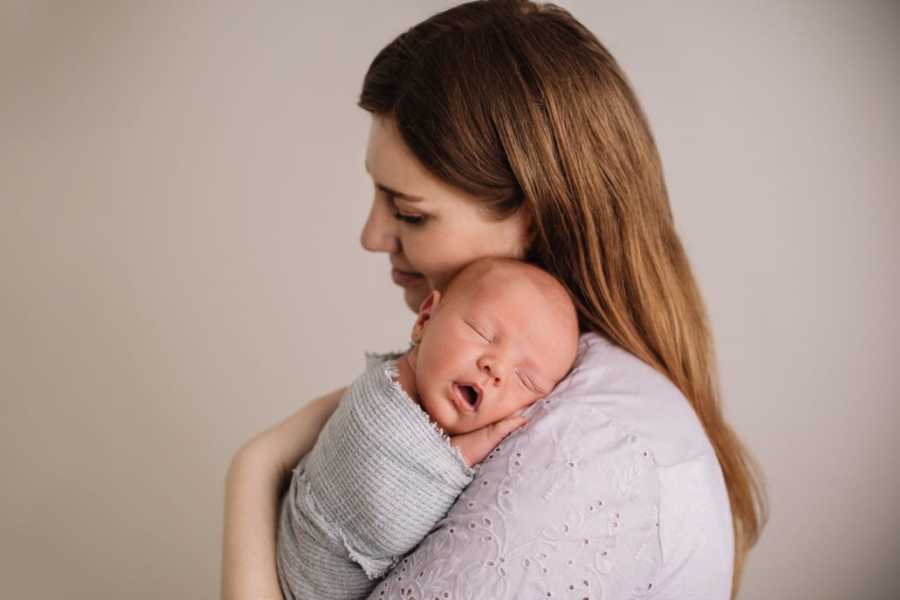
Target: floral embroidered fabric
(580, 502)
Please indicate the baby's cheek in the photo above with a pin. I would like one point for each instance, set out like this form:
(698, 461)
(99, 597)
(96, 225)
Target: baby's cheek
(533, 400)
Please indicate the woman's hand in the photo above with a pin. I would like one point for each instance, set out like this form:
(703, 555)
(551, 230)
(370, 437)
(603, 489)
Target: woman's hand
(254, 484)
(476, 445)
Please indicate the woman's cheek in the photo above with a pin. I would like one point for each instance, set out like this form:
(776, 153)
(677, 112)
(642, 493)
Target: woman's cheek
(440, 256)
(440, 274)
(437, 280)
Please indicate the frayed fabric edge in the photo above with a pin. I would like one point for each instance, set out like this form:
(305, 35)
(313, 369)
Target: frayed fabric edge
(374, 568)
(390, 369)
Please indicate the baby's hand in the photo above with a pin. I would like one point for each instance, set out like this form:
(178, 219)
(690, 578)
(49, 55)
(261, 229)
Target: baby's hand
(476, 445)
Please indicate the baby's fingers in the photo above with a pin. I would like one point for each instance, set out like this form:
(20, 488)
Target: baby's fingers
(504, 428)
(476, 445)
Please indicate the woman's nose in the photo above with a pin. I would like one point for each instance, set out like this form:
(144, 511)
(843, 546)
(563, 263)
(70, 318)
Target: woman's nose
(379, 233)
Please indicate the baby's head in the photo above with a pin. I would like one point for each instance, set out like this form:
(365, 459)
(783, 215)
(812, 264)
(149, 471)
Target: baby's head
(499, 338)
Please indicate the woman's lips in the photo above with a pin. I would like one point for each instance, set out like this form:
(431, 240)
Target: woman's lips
(405, 278)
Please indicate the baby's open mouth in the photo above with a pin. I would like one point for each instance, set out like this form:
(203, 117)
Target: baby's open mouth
(470, 394)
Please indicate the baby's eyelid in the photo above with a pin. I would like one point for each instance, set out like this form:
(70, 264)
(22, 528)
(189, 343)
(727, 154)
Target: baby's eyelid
(476, 330)
(526, 381)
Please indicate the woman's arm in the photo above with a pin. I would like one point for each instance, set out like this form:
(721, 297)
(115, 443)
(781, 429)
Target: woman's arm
(253, 486)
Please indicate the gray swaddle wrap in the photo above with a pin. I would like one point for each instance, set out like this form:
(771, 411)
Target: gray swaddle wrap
(378, 479)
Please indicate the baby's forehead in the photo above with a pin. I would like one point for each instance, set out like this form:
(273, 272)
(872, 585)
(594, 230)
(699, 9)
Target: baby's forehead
(523, 303)
(503, 286)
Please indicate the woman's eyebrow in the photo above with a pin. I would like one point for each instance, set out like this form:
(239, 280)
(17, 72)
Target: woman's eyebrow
(393, 192)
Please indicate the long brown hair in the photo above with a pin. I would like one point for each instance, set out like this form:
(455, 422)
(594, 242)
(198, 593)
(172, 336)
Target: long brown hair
(517, 103)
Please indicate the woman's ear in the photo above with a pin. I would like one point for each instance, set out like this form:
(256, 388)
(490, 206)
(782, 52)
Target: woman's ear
(426, 310)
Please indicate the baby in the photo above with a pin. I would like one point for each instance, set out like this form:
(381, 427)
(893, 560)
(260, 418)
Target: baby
(383, 471)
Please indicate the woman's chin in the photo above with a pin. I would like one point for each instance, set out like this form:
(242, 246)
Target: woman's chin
(414, 295)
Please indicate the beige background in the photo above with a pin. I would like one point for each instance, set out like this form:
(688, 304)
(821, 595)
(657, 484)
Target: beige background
(182, 192)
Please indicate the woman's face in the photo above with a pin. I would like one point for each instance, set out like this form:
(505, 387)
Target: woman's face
(429, 229)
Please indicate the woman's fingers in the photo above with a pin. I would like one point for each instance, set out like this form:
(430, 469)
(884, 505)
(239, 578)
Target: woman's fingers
(476, 445)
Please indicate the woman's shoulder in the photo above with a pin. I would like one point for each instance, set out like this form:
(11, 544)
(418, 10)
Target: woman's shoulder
(609, 383)
(598, 494)
(623, 425)
(626, 403)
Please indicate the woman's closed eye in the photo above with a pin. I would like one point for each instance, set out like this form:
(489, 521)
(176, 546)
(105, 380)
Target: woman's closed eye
(411, 219)
(405, 218)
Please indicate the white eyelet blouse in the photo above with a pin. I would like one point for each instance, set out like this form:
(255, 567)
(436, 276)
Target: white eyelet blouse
(612, 491)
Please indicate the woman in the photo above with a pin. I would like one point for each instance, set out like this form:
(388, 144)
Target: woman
(505, 128)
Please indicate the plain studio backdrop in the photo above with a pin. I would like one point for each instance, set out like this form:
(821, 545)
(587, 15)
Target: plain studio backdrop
(183, 189)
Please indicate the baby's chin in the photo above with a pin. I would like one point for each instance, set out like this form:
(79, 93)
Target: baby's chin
(450, 426)
(455, 429)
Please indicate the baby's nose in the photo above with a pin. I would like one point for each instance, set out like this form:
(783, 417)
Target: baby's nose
(492, 369)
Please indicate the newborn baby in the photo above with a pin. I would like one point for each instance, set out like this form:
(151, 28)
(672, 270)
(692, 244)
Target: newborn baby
(383, 471)
(500, 338)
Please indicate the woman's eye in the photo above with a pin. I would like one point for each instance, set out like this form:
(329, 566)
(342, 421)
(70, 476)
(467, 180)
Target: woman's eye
(411, 219)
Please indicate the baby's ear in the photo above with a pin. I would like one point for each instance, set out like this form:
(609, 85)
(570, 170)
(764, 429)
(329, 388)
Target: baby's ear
(426, 309)
(430, 302)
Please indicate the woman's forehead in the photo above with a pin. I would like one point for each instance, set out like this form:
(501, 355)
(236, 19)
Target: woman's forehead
(394, 167)
(391, 163)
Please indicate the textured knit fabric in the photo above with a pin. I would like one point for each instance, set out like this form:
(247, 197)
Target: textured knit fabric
(378, 479)
(611, 491)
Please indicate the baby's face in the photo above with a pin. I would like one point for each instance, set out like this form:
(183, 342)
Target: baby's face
(491, 350)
